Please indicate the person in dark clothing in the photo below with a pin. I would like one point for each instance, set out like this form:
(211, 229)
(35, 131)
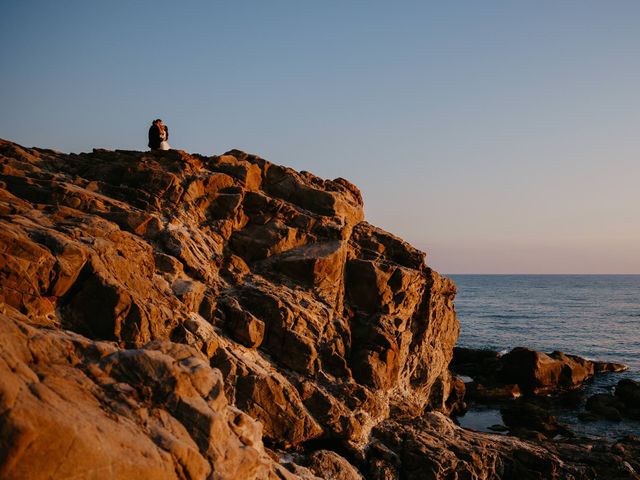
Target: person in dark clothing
(158, 136)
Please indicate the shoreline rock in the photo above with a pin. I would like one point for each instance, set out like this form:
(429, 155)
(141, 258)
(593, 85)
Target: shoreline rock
(525, 385)
(171, 315)
(525, 371)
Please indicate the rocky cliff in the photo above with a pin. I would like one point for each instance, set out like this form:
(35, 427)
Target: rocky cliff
(166, 315)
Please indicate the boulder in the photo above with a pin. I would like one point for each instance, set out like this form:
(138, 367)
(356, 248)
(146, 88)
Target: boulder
(538, 372)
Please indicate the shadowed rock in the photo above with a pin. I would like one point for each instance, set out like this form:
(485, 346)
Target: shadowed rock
(625, 403)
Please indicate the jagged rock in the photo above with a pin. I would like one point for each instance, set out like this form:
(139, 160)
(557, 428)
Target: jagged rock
(433, 447)
(284, 245)
(244, 327)
(165, 313)
(70, 406)
(318, 265)
(278, 407)
(189, 292)
(254, 386)
(328, 464)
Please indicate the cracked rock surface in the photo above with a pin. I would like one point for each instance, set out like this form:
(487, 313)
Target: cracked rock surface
(167, 315)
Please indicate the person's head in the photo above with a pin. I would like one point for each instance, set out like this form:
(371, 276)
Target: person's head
(157, 121)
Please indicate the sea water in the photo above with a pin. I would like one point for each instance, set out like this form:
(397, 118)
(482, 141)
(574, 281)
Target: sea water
(594, 316)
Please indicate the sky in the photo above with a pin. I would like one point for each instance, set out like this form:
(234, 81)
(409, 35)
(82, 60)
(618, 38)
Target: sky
(497, 136)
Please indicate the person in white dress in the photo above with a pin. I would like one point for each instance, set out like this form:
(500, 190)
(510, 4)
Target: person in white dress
(158, 136)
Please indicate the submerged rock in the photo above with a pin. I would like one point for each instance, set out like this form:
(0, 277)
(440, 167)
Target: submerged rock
(625, 403)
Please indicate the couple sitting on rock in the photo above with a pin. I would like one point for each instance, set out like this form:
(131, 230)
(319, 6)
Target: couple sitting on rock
(158, 136)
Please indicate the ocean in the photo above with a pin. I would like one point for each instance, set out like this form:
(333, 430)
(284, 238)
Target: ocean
(594, 316)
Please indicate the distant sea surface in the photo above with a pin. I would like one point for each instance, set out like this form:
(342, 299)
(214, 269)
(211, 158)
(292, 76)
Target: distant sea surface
(594, 316)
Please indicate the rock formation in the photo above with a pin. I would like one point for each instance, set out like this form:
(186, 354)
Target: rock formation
(524, 371)
(526, 386)
(167, 315)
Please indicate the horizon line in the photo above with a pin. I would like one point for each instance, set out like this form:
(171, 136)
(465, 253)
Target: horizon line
(549, 274)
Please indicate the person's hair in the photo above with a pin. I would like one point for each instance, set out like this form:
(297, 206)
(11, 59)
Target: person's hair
(157, 120)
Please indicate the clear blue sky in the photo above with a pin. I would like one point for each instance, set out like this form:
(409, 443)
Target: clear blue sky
(499, 136)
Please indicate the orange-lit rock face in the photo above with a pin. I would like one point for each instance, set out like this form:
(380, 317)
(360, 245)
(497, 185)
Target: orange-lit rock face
(164, 314)
(319, 321)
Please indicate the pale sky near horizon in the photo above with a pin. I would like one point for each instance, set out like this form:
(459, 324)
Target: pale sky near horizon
(499, 136)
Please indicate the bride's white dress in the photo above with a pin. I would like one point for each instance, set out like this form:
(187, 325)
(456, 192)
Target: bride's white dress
(164, 145)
